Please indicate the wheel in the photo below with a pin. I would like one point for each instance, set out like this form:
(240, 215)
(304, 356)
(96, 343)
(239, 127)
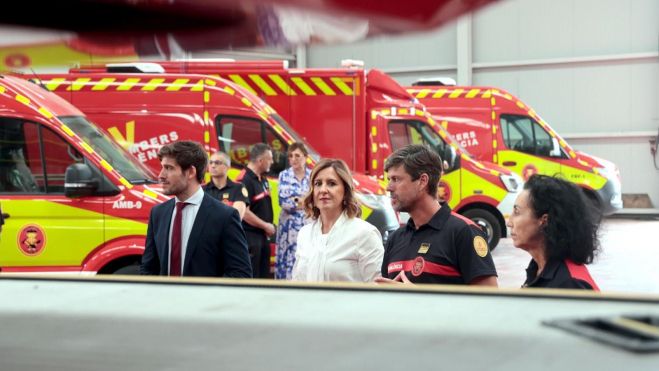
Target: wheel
(133, 269)
(489, 223)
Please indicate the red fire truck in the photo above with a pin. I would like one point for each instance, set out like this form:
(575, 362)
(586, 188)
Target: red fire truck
(143, 112)
(496, 126)
(361, 117)
(74, 201)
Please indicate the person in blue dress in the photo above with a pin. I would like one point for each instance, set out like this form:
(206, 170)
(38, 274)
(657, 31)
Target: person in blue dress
(293, 186)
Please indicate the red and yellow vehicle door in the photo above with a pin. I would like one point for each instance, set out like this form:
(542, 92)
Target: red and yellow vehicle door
(45, 228)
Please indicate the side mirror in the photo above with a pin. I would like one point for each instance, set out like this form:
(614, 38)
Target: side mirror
(79, 181)
(555, 148)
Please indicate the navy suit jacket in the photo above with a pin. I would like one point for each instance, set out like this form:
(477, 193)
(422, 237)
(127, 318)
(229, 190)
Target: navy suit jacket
(217, 246)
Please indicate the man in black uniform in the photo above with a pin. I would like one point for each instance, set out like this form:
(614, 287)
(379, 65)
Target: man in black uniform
(222, 188)
(259, 215)
(436, 245)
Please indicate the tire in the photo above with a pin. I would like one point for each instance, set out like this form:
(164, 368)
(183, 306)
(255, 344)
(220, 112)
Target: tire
(489, 223)
(133, 269)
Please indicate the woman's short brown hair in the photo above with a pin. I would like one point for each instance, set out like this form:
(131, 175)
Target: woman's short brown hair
(350, 203)
(300, 146)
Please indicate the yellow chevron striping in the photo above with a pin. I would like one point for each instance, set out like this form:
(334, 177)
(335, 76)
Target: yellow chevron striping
(456, 93)
(207, 96)
(487, 94)
(103, 83)
(128, 84)
(263, 85)
(125, 182)
(79, 83)
(423, 93)
(338, 81)
(87, 147)
(54, 83)
(282, 84)
(322, 86)
(177, 84)
(206, 116)
(303, 86)
(473, 92)
(152, 84)
(106, 165)
(198, 86)
(439, 93)
(151, 194)
(210, 82)
(229, 90)
(520, 105)
(207, 136)
(239, 80)
(246, 101)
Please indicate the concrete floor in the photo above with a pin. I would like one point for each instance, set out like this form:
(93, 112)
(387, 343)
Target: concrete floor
(628, 261)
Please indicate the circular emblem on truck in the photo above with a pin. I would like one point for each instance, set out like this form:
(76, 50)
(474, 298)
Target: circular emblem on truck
(529, 170)
(444, 192)
(31, 240)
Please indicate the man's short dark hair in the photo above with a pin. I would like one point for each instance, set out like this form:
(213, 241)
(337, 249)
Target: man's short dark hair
(186, 154)
(258, 150)
(416, 160)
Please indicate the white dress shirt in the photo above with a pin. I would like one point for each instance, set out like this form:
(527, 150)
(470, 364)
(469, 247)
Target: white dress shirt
(189, 215)
(351, 251)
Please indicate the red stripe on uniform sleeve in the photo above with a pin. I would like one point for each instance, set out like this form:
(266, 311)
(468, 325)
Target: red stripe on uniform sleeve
(465, 219)
(580, 272)
(428, 267)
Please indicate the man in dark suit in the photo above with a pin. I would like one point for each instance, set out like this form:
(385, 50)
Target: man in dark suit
(192, 234)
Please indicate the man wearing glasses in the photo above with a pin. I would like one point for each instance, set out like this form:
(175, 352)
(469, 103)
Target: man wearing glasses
(222, 188)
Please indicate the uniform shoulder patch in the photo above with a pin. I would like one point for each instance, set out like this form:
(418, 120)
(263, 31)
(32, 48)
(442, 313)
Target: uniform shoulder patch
(480, 245)
(245, 192)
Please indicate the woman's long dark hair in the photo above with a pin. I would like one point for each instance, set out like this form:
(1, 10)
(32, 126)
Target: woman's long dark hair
(572, 220)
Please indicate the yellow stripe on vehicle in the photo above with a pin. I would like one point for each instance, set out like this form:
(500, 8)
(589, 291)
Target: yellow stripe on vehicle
(22, 99)
(374, 164)
(87, 147)
(207, 96)
(125, 182)
(283, 85)
(374, 131)
(106, 165)
(374, 147)
(206, 116)
(198, 86)
(520, 104)
(299, 82)
(374, 114)
(229, 90)
(494, 115)
(246, 101)
(366, 212)
(78, 83)
(487, 94)
(152, 84)
(103, 83)
(439, 93)
(43, 111)
(67, 130)
(456, 93)
(494, 144)
(423, 93)
(54, 83)
(345, 89)
(322, 86)
(473, 92)
(262, 84)
(177, 84)
(128, 84)
(151, 194)
(210, 82)
(207, 137)
(2, 89)
(493, 102)
(403, 111)
(239, 80)
(263, 115)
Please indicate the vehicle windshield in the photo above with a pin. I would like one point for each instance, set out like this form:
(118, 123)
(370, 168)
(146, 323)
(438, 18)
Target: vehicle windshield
(312, 152)
(110, 151)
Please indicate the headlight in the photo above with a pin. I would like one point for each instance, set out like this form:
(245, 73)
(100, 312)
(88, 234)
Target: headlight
(512, 182)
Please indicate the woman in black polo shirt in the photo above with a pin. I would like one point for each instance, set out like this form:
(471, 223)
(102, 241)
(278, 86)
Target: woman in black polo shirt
(557, 226)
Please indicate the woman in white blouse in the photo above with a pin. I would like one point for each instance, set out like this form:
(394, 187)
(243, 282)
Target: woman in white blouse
(337, 245)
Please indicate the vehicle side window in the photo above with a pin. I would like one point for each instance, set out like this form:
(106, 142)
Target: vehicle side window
(21, 169)
(402, 133)
(237, 135)
(59, 155)
(524, 134)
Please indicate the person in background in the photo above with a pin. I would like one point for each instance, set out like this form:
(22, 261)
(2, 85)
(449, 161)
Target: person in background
(293, 186)
(337, 245)
(258, 218)
(192, 234)
(222, 188)
(436, 245)
(555, 224)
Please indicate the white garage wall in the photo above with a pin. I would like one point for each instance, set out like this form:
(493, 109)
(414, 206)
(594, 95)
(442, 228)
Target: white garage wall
(590, 68)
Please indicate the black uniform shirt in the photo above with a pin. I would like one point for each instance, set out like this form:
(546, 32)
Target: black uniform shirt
(260, 202)
(230, 193)
(560, 275)
(449, 249)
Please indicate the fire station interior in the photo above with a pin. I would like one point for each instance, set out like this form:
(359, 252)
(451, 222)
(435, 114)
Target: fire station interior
(500, 89)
